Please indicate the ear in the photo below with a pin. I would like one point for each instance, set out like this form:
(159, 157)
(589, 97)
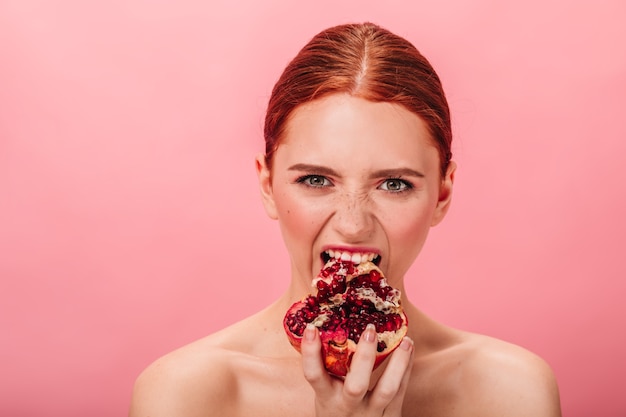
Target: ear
(265, 184)
(445, 195)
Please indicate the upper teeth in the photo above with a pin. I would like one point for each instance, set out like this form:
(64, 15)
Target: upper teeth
(356, 258)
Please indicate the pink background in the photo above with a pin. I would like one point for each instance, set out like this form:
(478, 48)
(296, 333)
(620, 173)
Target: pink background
(130, 220)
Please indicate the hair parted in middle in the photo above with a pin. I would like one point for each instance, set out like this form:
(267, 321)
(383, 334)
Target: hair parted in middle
(365, 61)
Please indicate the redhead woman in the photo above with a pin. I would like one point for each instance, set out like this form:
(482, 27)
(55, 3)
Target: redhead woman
(358, 164)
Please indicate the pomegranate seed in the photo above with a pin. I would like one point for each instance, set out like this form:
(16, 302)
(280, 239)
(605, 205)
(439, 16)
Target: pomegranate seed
(337, 287)
(353, 306)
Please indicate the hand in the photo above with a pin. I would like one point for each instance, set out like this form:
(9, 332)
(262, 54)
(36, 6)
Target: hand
(351, 397)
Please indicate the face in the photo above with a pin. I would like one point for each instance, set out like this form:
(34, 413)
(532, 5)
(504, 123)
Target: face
(357, 178)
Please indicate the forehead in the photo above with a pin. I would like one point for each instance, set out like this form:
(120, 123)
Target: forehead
(350, 127)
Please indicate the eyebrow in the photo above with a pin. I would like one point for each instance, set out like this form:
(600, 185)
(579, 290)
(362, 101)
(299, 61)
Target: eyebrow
(397, 172)
(318, 169)
(383, 173)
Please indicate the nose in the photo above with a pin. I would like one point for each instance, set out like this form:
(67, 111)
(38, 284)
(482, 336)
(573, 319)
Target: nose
(353, 219)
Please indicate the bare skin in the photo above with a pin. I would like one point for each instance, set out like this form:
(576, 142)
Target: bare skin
(357, 177)
(250, 369)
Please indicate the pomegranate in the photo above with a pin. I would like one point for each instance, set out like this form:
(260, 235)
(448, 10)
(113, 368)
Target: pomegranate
(348, 297)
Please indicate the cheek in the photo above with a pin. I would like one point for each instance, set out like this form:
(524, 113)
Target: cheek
(297, 219)
(408, 228)
(411, 226)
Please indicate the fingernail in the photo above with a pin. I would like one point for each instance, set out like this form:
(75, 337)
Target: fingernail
(309, 332)
(407, 344)
(370, 333)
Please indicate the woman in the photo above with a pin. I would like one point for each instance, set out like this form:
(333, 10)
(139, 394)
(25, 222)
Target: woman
(357, 161)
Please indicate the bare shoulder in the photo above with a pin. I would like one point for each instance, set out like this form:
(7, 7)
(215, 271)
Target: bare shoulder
(195, 380)
(456, 373)
(227, 373)
(503, 379)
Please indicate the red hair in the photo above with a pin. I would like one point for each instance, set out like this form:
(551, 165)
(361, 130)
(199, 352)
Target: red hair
(366, 61)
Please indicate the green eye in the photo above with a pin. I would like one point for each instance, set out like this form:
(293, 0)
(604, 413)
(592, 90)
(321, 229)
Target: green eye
(314, 181)
(395, 185)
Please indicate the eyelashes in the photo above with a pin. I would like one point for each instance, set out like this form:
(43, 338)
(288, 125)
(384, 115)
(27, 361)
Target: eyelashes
(396, 185)
(392, 185)
(315, 181)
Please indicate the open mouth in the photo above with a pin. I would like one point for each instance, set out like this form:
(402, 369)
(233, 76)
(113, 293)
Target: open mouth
(355, 257)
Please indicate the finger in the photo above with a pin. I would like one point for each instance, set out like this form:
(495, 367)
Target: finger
(389, 392)
(358, 379)
(312, 363)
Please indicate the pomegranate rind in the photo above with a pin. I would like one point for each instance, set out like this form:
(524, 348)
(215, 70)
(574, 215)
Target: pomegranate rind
(337, 350)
